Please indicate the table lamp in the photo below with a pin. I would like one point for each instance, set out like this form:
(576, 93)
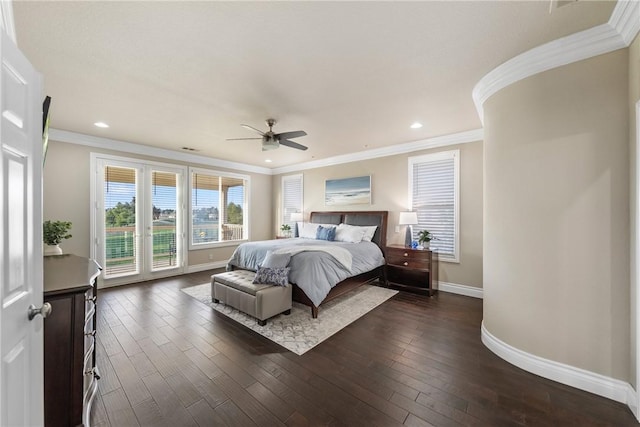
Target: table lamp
(296, 217)
(408, 219)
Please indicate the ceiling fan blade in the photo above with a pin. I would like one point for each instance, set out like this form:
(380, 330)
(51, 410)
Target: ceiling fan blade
(292, 144)
(253, 129)
(240, 139)
(289, 135)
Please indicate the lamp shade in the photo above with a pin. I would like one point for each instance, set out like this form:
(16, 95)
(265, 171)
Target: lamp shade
(296, 216)
(408, 218)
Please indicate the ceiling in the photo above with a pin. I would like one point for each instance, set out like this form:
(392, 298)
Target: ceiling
(353, 75)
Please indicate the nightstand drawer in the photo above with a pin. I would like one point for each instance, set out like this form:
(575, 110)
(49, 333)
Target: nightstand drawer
(410, 262)
(408, 257)
(418, 279)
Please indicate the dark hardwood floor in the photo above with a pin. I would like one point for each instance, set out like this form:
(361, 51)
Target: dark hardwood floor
(169, 360)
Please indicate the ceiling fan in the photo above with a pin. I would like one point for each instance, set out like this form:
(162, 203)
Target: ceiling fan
(271, 141)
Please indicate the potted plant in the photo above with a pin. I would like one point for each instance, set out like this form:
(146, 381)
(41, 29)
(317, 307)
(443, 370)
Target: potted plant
(286, 230)
(54, 232)
(425, 237)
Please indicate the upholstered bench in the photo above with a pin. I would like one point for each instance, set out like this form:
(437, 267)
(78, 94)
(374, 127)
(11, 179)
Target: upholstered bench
(235, 289)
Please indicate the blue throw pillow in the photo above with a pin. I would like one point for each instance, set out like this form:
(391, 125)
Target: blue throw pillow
(276, 260)
(272, 276)
(326, 233)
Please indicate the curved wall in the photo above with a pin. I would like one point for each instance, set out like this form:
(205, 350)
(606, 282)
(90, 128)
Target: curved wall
(556, 215)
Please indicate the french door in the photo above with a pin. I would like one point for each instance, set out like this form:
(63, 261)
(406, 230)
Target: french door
(139, 226)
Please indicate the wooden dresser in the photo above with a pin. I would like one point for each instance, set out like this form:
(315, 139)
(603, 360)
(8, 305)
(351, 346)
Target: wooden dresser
(70, 374)
(411, 269)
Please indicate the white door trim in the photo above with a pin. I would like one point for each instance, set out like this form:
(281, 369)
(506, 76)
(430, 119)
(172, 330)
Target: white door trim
(635, 266)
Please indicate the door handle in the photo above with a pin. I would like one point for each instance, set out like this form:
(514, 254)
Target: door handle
(44, 311)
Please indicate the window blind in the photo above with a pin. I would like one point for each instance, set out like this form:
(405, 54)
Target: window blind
(120, 220)
(205, 199)
(164, 196)
(218, 208)
(291, 198)
(434, 197)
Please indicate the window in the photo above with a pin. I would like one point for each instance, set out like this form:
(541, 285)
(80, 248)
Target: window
(219, 208)
(291, 198)
(434, 196)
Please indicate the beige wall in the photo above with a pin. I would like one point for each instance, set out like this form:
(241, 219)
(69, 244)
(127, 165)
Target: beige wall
(67, 197)
(556, 215)
(389, 177)
(634, 97)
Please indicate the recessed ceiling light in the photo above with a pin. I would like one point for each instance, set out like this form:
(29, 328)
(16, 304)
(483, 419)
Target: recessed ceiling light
(268, 160)
(416, 125)
(101, 125)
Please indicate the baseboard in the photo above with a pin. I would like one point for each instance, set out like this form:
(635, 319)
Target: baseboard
(190, 269)
(604, 386)
(208, 266)
(632, 399)
(454, 288)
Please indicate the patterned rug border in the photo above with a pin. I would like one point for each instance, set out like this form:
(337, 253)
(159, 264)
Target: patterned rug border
(299, 332)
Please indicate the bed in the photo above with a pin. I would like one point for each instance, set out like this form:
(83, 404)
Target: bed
(334, 279)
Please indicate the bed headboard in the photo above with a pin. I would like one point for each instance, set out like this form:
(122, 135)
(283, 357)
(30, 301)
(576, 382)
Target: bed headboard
(378, 218)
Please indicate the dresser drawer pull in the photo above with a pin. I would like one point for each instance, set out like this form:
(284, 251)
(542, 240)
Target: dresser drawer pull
(405, 263)
(90, 334)
(406, 254)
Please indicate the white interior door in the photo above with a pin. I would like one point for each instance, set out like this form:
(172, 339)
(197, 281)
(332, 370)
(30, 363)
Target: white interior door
(21, 340)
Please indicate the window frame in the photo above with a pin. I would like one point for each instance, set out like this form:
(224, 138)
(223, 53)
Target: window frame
(283, 219)
(245, 208)
(442, 155)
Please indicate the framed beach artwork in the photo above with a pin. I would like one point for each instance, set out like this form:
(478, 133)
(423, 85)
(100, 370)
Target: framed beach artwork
(348, 191)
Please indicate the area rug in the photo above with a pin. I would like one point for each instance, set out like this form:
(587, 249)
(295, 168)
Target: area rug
(299, 332)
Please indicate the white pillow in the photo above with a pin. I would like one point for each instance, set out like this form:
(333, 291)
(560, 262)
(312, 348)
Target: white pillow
(307, 230)
(369, 231)
(349, 233)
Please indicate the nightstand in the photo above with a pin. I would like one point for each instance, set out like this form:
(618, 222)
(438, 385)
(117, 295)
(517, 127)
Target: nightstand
(411, 269)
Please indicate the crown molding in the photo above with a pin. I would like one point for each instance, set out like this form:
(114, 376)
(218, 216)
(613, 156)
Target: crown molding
(146, 150)
(617, 33)
(625, 19)
(424, 144)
